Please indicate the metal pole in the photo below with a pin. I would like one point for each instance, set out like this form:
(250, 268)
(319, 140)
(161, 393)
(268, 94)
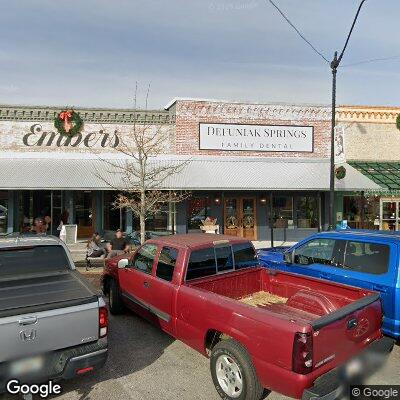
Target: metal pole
(334, 66)
(271, 219)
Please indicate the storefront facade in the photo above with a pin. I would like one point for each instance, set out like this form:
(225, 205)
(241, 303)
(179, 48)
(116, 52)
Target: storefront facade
(371, 141)
(261, 169)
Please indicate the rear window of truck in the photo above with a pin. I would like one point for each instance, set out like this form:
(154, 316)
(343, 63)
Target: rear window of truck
(219, 259)
(31, 260)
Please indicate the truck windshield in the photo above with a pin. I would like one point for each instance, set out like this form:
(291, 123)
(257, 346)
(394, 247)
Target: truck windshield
(32, 260)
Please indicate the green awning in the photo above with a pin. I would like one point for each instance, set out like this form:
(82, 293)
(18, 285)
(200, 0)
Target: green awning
(385, 174)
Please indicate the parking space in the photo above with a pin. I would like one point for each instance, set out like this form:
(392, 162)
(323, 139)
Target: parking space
(145, 363)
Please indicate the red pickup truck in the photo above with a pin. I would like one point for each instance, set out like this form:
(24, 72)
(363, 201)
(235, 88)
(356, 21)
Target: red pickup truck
(262, 329)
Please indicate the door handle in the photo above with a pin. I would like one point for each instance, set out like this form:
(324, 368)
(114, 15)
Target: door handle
(379, 288)
(28, 320)
(325, 276)
(146, 284)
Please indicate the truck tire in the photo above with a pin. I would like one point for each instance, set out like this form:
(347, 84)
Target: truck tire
(233, 372)
(115, 300)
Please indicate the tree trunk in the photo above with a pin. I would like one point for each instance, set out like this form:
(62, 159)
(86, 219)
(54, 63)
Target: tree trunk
(142, 218)
(142, 229)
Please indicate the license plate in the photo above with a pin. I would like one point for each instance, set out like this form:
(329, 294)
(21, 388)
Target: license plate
(353, 369)
(26, 366)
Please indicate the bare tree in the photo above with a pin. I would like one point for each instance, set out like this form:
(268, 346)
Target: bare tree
(141, 175)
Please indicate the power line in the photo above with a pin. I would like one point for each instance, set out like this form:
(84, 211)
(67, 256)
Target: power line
(370, 61)
(350, 32)
(298, 32)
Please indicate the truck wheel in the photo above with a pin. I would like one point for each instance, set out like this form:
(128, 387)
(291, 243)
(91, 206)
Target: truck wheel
(115, 301)
(233, 373)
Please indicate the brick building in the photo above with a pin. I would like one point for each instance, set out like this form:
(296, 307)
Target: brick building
(372, 146)
(255, 167)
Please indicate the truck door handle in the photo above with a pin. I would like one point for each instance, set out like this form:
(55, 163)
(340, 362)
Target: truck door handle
(379, 288)
(27, 320)
(146, 284)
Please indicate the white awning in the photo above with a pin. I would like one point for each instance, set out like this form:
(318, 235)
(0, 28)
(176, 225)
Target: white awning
(200, 173)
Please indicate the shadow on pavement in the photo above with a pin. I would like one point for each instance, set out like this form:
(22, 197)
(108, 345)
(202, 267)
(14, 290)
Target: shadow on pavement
(134, 344)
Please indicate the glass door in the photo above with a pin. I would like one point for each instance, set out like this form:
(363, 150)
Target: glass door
(240, 217)
(248, 218)
(390, 215)
(84, 213)
(231, 216)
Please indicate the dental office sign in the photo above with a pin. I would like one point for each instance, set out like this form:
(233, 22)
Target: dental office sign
(241, 137)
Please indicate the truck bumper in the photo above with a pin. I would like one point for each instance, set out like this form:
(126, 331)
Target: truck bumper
(62, 364)
(85, 363)
(334, 383)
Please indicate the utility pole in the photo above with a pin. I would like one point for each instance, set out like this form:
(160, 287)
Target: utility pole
(334, 67)
(332, 219)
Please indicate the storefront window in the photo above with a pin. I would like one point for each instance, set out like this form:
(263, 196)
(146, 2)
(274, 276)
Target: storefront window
(283, 211)
(352, 212)
(390, 215)
(39, 204)
(3, 211)
(198, 210)
(114, 218)
(159, 220)
(307, 212)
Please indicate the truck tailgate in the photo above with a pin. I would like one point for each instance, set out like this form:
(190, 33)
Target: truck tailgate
(339, 335)
(44, 313)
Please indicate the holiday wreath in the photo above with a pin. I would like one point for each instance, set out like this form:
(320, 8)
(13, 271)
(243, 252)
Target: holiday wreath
(340, 172)
(68, 122)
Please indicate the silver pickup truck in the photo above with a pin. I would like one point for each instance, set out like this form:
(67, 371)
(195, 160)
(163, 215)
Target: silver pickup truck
(53, 324)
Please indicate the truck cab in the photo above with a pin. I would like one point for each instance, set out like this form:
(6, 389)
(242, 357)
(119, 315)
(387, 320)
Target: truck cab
(366, 259)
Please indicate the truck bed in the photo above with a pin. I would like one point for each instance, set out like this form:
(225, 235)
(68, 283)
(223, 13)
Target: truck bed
(41, 292)
(310, 297)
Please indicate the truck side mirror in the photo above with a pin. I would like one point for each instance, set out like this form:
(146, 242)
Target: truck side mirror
(289, 257)
(123, 263)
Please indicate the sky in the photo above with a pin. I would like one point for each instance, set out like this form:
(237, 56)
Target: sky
(91, 52)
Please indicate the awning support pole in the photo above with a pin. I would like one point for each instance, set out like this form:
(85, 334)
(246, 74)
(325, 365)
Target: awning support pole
(271, 219)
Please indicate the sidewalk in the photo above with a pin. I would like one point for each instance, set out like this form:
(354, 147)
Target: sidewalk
(78, 250)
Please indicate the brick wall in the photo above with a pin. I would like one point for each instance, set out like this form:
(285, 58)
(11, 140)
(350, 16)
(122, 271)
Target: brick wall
(190, 113)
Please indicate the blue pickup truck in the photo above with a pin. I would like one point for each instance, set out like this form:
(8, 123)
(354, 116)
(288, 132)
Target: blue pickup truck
(366, 259)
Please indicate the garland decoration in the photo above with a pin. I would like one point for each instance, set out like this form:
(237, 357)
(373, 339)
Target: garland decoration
(340, 172)
(398, 122)
(68, 122)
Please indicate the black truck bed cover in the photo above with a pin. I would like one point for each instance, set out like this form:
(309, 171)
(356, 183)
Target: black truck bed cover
(35, 293)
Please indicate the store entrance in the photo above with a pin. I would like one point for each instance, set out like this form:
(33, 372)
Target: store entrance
(240, 217)
(84, 213)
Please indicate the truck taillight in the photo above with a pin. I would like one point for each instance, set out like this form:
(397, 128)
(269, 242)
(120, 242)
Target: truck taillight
(302, 353)
(103, 322)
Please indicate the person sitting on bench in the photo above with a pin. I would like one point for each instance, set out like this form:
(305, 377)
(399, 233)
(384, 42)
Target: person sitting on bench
(118, 245)
(94, 249)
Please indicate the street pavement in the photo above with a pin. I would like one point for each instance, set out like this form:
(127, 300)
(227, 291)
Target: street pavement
(145, 363)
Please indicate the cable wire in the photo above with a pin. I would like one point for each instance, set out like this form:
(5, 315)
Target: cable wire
(298, 32)
(370, 61)
(350, 32)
